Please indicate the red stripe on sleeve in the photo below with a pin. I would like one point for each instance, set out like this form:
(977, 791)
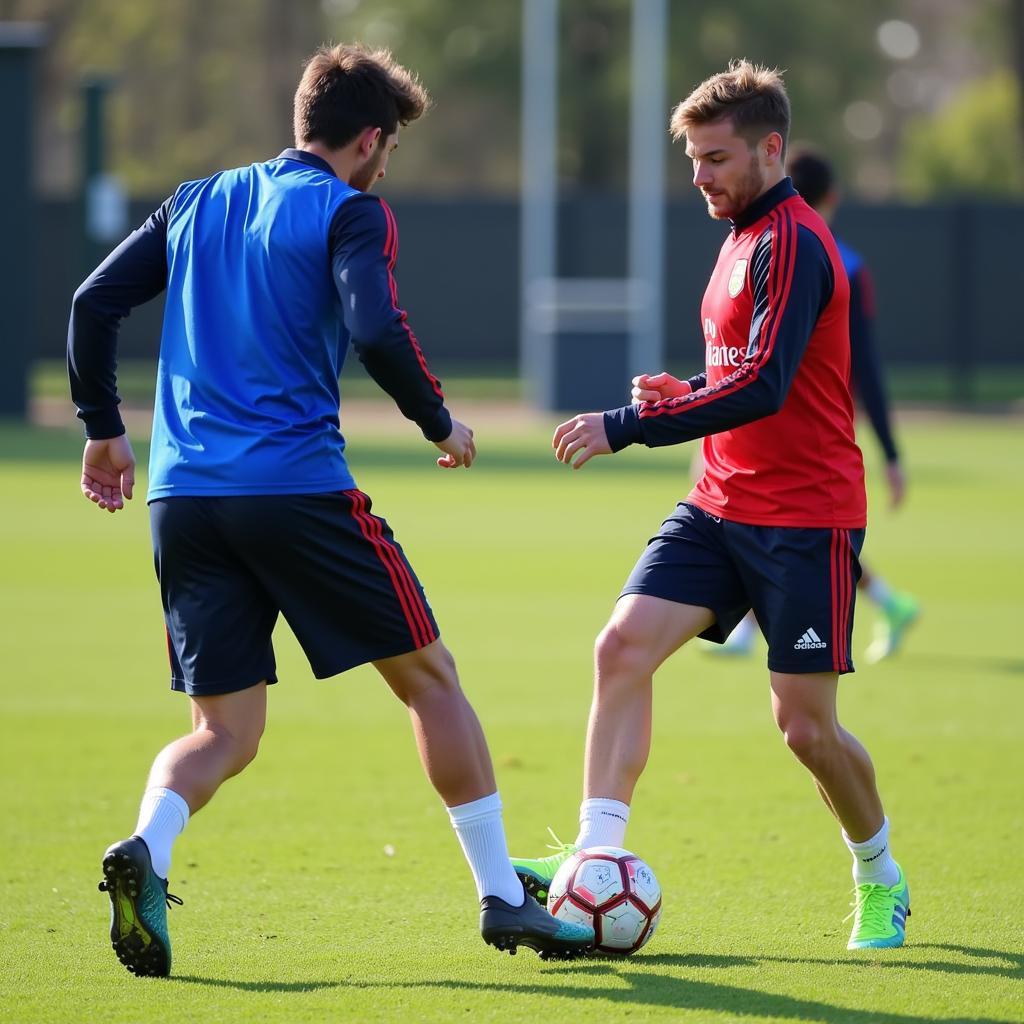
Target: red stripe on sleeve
(391, 254)
(783, 266)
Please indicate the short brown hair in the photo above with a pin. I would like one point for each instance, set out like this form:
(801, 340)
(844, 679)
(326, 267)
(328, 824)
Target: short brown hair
(347, 88)
(753, 97)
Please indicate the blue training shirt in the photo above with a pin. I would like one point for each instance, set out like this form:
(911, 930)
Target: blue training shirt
(270, 270)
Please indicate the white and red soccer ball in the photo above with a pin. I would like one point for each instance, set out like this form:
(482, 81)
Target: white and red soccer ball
(612, 890)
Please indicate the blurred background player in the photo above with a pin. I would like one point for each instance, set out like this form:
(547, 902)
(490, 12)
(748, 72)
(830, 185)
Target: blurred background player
(813, 177)
(271, 271)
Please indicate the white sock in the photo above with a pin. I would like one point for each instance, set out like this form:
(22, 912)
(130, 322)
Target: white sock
(878, 590)
(162, 817)
(602, 823)
(872, 859)
(480, 830)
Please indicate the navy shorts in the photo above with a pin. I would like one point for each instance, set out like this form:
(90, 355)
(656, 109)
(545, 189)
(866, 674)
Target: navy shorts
(801, 583)
(229, 565)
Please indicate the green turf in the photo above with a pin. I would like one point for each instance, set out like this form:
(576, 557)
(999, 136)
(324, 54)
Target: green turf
(293, 911)
(984, 386)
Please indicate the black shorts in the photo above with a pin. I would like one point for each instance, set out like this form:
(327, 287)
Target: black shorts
(228, 566)
(801, 583)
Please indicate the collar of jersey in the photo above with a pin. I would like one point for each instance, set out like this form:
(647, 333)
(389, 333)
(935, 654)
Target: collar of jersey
(310, 159)
(763, 204)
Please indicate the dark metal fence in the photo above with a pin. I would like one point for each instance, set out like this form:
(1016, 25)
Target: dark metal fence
(948, 277)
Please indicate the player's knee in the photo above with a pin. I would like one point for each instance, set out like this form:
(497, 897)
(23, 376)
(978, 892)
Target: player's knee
(240, 741)
(429, 673)
(249, 747)
(619, 656)
(806, 737)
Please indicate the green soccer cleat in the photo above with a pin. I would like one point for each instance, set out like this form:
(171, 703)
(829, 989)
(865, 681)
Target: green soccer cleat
(880, 915)
(138, 909)
(898, 615)
(536, 873)
(506, 928)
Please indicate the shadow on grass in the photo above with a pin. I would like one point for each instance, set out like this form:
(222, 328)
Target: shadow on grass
(1009, 965)
(663, 990)
(257, 986)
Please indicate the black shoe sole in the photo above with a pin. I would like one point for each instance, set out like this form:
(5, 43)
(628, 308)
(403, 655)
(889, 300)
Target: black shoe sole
(142, 952)
(535, 887)
(509, 940)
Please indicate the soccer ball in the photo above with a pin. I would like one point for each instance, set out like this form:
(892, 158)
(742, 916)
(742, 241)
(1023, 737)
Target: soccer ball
(612, 890)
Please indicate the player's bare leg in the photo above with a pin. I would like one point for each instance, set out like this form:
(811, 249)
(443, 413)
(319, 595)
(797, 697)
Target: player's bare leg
(448, 735)
(805, 710)
(456, 759)
(226, 731)
(225, 737)
(642, 632)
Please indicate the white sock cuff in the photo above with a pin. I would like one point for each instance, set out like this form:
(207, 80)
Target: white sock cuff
(476, 810)
(603, 805)
(878, 839)
(168, 798)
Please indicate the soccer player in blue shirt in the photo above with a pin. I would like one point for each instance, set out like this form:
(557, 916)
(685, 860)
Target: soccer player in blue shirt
(271, 271)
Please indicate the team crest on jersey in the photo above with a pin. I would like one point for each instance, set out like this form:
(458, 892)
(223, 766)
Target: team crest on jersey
(737, 277)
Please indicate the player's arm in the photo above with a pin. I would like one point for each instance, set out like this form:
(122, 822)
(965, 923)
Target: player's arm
(868, 379)
(364, 248)
(134, 273)
(793, 282)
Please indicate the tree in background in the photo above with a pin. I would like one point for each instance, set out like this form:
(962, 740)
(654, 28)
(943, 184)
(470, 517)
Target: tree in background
(201, 85)
(972, 145)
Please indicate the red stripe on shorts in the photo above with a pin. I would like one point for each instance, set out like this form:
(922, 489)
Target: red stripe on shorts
(405, 589)
(833, 577)
(842, 599)
(411, 589)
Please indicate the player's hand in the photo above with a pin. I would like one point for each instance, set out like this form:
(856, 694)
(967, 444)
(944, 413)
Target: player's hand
(584, 435)
(458, 447)
(655, 387)
(897, 484)
(108, 472)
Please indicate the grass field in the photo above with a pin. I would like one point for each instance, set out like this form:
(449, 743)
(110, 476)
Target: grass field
(293, 910)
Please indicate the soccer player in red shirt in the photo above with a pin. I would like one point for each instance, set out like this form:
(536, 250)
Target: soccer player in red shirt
(813, 177)
(776, 522)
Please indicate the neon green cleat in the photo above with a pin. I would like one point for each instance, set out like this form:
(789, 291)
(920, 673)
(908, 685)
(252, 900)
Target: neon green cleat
(536, 873)
(899, 614)
(880, 915)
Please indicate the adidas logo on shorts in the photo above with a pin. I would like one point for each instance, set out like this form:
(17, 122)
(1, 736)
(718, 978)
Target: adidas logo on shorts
(810, 641)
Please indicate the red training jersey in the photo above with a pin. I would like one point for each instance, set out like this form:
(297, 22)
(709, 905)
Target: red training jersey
(774, 404)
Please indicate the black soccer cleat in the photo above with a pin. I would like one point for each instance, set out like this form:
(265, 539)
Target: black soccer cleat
(138, 909)
(507, 928)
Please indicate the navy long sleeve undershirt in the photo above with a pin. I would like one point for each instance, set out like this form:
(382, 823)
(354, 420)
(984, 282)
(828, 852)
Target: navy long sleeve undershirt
(866, 365)
(364, 246)
(760, 393)
(134, 273)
